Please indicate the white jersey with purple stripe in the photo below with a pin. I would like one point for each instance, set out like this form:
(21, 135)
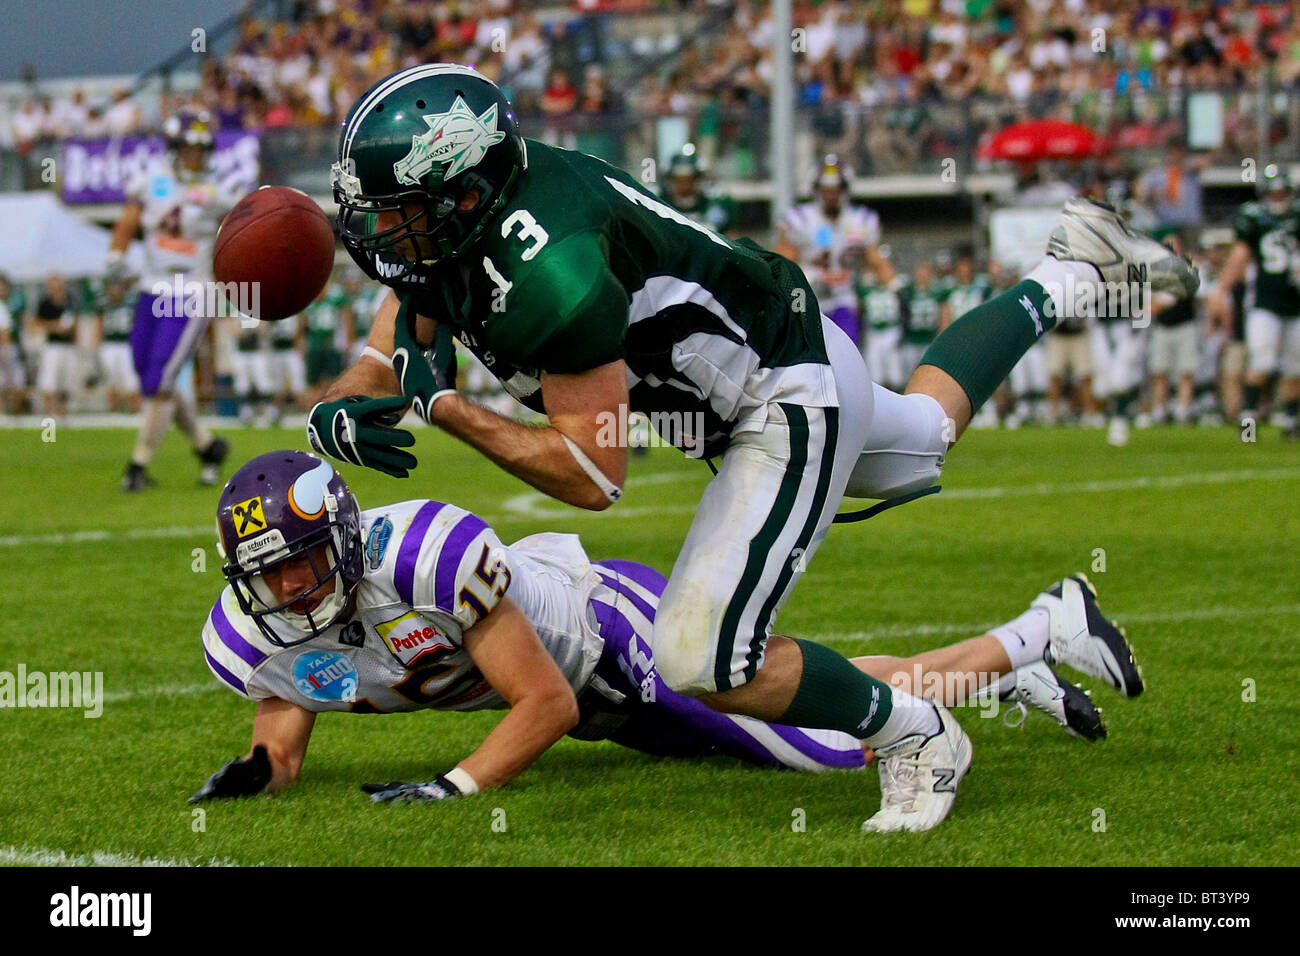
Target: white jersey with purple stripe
(807, 227)
(432, 570)
(180, 213)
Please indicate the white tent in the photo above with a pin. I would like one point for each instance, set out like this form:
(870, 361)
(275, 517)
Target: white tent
(40, 237)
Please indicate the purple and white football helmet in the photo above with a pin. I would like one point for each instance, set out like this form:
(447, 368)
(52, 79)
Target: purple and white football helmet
(279, 506)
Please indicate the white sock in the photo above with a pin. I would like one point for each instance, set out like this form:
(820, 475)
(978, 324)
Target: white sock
(187, 417)
(155, 416)
(1061, 279)
(908, 716)
(1025, 638)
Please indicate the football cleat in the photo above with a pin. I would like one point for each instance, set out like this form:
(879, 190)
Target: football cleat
(1080, 637)
(919, 777)
(211, 459)
(1095, 233)
(137, 478)
(1040, 687)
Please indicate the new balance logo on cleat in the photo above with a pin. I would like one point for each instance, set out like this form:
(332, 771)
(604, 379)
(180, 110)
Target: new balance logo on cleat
(944, 781)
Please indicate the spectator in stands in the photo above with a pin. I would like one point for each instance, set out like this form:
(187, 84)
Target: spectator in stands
(1173, 189)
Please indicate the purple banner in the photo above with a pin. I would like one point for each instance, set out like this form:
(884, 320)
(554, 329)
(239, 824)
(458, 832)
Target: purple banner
(98, 170)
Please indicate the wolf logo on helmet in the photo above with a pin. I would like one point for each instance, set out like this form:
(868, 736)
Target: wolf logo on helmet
(457, 138)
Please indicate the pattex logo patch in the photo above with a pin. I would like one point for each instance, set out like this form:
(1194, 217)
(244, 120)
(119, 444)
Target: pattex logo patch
(414, 640)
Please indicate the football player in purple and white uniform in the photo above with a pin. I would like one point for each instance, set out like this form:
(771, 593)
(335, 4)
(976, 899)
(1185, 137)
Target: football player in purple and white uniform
(419, 605)
(179, 201)
(832, 239)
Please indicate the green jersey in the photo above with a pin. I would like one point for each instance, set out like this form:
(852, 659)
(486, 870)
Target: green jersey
(708, 208)
(284, 334)
(921, 312)
(117, 319)
(881, 308)
(963, 298)
(583, 267)
(325, 321)
(1272, 241)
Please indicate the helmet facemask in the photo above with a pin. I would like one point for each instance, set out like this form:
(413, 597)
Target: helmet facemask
(247, 577)
(447, 229)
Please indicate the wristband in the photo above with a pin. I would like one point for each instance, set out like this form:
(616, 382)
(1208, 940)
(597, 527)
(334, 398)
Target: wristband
(462, 780)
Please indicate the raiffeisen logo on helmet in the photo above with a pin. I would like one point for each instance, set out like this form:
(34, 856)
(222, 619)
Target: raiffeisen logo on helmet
(458, 138)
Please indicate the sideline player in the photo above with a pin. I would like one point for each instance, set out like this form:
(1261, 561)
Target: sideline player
(832, 239)
(179, 201)
(1267, 232)
(418, 605)
(589, 298)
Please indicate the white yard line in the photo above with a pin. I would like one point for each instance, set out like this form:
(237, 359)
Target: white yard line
(172, 690)
(41, 856)
(535, 505)
(974, 630)
(132, 534)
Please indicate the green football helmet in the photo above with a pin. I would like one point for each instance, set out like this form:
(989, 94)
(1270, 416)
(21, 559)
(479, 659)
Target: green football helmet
(415, 145)
(1275, 188)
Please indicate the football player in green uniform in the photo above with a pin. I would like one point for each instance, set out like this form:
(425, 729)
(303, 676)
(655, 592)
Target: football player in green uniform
(1267, 233)
(589, 297)
(923, 301)
(685, 191)
(325, 339)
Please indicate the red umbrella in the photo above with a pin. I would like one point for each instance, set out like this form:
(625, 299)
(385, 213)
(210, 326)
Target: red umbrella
(1044, 139)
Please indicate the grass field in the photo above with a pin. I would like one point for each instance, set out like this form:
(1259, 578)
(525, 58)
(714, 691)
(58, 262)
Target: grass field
(1199, 533)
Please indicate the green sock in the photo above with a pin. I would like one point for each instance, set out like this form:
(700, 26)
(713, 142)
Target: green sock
(981, 348)
(835, 695)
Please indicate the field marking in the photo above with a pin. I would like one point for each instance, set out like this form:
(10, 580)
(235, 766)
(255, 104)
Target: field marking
(975, 630)
(80, 537)
(42, 856)
(536, 504)
(172, 690)
(530, 504)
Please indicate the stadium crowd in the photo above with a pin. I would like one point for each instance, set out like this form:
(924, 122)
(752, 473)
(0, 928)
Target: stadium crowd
(904, 57)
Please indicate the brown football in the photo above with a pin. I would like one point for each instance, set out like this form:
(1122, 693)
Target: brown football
(279, 240)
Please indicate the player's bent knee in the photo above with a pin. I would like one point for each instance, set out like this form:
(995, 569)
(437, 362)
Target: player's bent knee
(686, 673)
(905, 449)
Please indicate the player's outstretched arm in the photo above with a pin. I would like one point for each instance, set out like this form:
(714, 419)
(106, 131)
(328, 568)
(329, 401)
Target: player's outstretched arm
(510, 656)
(569, 460)
(281, 731)
(284, 729)
(372, 376)
(356, 421)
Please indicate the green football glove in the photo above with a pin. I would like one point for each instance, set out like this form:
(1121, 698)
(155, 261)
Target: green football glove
(362, 431)
(426, 374)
